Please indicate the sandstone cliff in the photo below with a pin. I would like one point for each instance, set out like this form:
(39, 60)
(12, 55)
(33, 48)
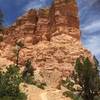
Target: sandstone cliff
(51, 37)
(43, 24)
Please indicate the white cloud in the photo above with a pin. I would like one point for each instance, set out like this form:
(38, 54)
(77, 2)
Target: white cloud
(32, 5)
(92, 43)
(87, 3)
(35, 4)
(91, 27)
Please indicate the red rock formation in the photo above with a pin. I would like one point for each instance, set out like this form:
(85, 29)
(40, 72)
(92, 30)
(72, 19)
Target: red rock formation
(45, 23)
(51, 37)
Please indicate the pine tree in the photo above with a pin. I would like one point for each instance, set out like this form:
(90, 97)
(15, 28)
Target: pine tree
(88, 77)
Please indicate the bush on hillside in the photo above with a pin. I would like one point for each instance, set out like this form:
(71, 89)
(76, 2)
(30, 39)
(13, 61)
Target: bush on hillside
(18, 48)
(28, 75)
(9, 84)
(86, 76)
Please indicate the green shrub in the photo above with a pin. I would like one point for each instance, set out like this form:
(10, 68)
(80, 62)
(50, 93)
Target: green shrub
(19, 46)
(9, 84)
(39, 84)
(68, 84)
(88, 77)
(72, 95)
(28, 75)
(21, 96)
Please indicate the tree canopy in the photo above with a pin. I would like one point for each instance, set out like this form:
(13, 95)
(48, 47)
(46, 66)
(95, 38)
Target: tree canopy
(88, 77)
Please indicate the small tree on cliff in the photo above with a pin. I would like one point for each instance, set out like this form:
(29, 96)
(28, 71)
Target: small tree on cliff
(88, 77)
(28, 73)
(19, 46)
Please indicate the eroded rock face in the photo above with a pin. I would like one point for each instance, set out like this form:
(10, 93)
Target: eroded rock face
(51, 38)
(43, 24)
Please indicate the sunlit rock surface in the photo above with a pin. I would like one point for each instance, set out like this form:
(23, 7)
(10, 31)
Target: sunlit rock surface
(51, 38)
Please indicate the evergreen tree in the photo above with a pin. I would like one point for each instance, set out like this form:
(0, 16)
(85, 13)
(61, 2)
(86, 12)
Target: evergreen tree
(88, 77)
(9, 84)
(19, 46)
(28, 73)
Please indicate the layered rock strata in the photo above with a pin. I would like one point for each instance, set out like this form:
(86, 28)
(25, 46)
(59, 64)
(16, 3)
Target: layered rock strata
(51, 38)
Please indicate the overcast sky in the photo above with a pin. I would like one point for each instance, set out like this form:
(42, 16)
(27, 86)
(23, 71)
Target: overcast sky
(89, 12)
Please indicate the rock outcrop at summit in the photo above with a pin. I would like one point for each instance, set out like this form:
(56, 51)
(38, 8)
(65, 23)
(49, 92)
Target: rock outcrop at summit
(51, 37)
(43, 24)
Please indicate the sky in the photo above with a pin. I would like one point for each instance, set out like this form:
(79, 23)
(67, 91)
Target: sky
(89, 13)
